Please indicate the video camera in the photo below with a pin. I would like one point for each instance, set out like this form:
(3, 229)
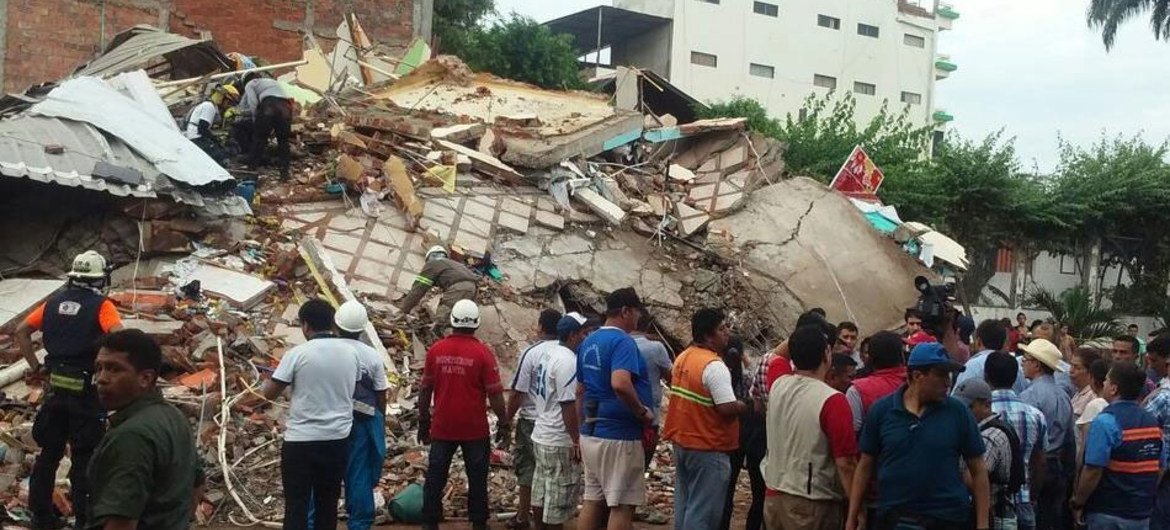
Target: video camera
(935, 306)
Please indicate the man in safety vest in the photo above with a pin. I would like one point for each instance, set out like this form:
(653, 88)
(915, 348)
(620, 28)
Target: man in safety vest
(453, 278)
(71, 322)
(702, 421)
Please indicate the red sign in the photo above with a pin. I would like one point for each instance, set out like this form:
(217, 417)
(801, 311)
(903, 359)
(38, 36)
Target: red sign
(859, 175)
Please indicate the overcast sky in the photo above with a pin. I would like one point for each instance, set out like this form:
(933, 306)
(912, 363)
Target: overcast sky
(1032, 68)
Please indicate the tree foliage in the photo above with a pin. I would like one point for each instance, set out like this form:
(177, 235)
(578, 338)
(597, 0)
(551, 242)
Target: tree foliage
(1108, 15)
(452, 18)
(519, 48)
(1085, 318)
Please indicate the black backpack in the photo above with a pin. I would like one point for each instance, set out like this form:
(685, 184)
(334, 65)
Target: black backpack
(1016, 480)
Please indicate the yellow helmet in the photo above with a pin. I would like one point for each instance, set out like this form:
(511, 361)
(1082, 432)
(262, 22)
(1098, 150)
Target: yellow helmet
(225, 92)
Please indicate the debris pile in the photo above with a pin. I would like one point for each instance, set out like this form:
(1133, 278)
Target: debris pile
(556, 198)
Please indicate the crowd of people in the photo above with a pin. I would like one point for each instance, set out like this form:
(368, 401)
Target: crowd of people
(994, 426)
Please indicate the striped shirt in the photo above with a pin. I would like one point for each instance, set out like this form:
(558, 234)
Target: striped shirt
(1030, 427)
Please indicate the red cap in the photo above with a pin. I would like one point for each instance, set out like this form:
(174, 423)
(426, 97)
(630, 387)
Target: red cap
(920, 337)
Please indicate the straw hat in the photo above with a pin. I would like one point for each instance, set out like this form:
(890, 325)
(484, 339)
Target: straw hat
(1045, 352)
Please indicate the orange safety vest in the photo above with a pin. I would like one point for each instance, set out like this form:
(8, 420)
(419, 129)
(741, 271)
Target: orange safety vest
(691, 419)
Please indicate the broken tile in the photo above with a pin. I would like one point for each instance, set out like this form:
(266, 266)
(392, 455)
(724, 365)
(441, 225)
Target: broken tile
(568, 244)
(472, 244)
(690, 220)
(599, 205)
(680, 173)
(347, 223)
(476, 208)
(550, 219)
(733, 158)
(341, 242)
(240, 289)
(513, 222)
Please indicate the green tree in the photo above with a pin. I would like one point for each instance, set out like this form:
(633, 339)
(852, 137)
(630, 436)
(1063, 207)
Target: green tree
(1085, 318)
(453, 18)
(1107, 15)
(519, 48)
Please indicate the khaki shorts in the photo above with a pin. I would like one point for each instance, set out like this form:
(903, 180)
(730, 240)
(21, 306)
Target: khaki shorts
(613, 471)
(557, 486)
(525, 463)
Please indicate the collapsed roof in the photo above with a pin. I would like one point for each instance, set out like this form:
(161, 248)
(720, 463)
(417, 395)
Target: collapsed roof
(161, 54)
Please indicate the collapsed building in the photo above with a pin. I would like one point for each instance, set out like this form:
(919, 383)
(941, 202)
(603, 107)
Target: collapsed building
(556, 198)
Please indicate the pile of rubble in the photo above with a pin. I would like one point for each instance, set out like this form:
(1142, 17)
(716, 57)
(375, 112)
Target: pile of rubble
(556, 198)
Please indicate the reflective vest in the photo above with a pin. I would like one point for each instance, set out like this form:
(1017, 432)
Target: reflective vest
(691, 419)
(1130, 481)
(71, 328)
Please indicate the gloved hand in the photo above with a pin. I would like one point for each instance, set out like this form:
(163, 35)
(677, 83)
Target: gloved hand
(230, 115)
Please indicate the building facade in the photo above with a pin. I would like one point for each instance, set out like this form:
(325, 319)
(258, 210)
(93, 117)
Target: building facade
(44, 40)
(780, 52)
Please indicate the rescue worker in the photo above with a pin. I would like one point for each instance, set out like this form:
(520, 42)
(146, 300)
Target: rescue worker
(71, 322)
(455, 280)
(265, 109)
(202, 117)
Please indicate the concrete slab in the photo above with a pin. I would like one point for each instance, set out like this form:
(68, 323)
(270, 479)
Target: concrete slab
(609, 211)
(549, 219)
(19, 296)
(680, 174)
(240, 289)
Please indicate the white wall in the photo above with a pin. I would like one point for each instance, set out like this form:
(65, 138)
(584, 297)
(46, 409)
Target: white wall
(1050, 273)
(798, 48)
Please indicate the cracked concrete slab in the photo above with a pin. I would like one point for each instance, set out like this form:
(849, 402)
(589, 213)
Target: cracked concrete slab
(806, 246)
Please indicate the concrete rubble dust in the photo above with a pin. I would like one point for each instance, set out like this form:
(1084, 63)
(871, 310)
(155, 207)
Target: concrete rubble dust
(555, 198)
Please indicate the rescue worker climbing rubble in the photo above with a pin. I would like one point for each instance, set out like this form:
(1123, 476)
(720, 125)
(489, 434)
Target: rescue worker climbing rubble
(71, 321)
(205, 115)
(455, 280)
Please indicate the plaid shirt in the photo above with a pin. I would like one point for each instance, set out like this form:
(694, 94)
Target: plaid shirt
(1158, 404)
(759, 389)
(1030, 427)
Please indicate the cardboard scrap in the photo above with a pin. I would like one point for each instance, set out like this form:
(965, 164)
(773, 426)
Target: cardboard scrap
(445, 176)
(403, 187)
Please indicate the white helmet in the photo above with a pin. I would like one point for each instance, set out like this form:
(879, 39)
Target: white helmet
(465, 315)
(351, 317)
(88, 265)
(437, 249)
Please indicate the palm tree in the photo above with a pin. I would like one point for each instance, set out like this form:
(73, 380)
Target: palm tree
(1107, 15)
(1075, 308)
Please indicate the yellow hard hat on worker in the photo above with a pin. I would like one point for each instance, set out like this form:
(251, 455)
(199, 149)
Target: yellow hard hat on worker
(225, 93)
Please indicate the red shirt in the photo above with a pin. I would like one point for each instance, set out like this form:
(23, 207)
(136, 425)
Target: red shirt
(462, 372)
(837, 424)
(780, 366)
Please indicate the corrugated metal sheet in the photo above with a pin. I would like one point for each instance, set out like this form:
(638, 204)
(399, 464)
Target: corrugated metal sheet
(23, 153)
(141, 46)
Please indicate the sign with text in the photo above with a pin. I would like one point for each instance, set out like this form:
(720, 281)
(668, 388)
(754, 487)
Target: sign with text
(859, 175)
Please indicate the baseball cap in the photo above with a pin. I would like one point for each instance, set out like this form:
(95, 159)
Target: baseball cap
(932, 354)
(972, 390)
(570, 323)
(622, 298)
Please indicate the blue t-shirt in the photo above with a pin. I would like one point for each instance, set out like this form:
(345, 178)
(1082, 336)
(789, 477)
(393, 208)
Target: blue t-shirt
(602, 352)
(918, 457)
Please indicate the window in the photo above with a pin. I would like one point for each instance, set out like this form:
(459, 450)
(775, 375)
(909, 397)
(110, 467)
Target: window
(866, 30)
(764, 8)
(868, 89)
(704, 59)
(826, 21)
(825, 81)
(914, 40)
(762, 70)
(910, 98)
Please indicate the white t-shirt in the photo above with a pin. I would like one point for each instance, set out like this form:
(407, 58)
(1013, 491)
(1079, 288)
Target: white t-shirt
(369, 365)
(554, 383)
(717, 379)
(321, 375)
(1092, 410)
(204, 111)
(525, 370)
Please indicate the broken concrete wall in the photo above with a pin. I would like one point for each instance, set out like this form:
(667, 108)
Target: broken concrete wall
(40, 47)
(805, 246)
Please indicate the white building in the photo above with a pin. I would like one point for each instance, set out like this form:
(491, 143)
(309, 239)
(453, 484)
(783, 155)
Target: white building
(780, 51)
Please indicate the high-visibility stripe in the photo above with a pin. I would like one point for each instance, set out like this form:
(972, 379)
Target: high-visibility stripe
(691, 396)
(424, 280)
(1143, 466)
(1145, 433)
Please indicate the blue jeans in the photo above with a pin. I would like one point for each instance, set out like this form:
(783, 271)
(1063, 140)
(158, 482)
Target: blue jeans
(476, 454)
(1026, 516)
(700, 487)
(367, 450)
(1100, 521)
